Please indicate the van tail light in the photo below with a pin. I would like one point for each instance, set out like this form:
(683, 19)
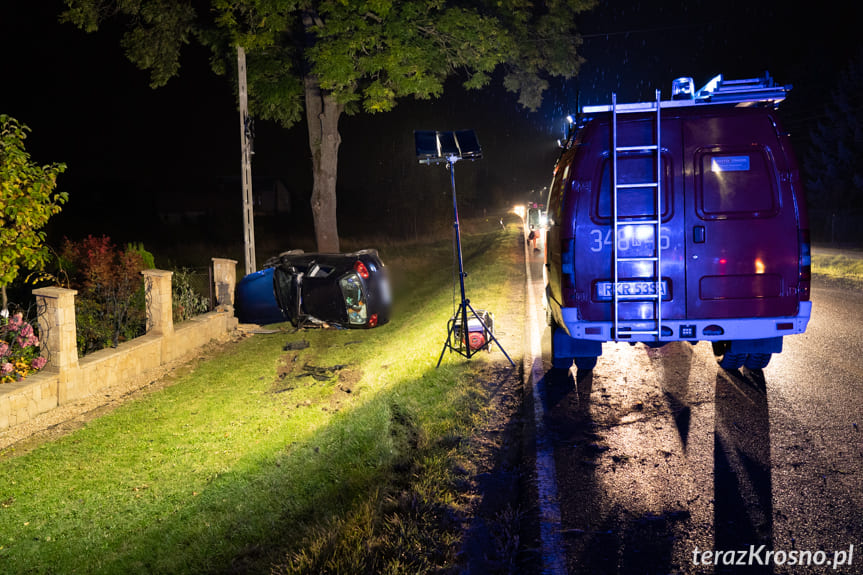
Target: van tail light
(805, 265)
(373, 320)
(361, 270)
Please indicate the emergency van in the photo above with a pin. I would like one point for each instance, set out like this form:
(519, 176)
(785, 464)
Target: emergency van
(679, 220)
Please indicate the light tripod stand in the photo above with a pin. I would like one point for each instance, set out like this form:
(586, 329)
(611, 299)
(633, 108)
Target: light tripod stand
(433, 147)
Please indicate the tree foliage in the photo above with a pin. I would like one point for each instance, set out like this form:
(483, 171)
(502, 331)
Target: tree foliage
(834, 158)
(328, 57)
(28, 199)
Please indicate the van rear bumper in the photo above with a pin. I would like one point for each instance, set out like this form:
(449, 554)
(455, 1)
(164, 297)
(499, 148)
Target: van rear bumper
(689, 329)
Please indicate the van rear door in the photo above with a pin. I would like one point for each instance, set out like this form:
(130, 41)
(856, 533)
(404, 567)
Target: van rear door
(635, 207)
(741, 228)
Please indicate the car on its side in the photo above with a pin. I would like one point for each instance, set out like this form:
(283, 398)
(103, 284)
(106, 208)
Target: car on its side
(349, 290)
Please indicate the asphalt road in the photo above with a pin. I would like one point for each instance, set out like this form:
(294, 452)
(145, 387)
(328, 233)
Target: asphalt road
(661, 456)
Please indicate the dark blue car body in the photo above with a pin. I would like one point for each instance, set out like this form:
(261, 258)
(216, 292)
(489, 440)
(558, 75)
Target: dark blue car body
(343, 290)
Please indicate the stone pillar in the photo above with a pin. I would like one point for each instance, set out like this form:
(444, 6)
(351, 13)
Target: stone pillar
(157, 292)
(225, 280)
(57, 331)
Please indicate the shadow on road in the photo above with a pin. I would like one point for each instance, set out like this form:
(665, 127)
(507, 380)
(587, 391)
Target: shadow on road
(603, 533)
(626, 505)
(742, 480)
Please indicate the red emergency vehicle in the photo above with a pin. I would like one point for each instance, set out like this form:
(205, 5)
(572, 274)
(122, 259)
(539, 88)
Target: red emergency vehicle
(679, 220)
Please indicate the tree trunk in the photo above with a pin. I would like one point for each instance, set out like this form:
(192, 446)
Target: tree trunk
(322, 114)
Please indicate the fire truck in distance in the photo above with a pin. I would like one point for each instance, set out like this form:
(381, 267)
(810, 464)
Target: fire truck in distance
(679, 220)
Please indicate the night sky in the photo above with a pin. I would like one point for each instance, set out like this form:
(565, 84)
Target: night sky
(131, 149)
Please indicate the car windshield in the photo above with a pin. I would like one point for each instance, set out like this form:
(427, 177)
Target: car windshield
(355, 301)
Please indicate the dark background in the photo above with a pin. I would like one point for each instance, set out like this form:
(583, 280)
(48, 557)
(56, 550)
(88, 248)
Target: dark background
(135, 154)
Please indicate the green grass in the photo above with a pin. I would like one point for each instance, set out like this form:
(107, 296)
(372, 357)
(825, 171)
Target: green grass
(837, 265)
(244, 464)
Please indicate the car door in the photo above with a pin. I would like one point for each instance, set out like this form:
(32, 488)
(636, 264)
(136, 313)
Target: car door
(741, 233)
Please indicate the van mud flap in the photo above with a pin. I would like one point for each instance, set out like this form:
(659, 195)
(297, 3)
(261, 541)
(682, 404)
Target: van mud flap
(564, 349)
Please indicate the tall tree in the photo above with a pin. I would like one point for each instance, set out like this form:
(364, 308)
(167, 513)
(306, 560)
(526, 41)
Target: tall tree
(27, 201)
(330, 57)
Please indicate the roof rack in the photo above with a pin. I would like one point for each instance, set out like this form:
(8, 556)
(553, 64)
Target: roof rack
(740, 93)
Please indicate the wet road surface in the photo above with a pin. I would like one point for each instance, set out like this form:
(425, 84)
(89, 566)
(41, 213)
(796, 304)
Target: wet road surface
(661, 456)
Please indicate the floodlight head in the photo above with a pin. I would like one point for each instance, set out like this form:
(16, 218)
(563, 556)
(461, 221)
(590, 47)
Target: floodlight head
(434, 147)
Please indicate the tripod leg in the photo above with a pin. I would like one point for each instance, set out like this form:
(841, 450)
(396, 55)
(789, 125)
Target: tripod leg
(448, 342)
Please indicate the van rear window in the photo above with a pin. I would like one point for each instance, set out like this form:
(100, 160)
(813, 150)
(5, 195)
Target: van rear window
(633, 203)
(735, 183)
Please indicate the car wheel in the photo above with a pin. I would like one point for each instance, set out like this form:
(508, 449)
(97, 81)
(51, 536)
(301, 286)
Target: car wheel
(757, 360)
(727, 360)
(585, 363)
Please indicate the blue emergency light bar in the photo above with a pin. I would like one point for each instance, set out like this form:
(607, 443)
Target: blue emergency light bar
(741, 93)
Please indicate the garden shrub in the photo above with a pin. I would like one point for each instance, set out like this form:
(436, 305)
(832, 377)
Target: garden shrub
(109, 307)
(187, 301)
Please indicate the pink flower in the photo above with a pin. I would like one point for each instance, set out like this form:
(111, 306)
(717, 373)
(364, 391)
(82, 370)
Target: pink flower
(4, 348)
(16, 321)
(6, 368)
(39, 362)
(26, 330)
(25, 342)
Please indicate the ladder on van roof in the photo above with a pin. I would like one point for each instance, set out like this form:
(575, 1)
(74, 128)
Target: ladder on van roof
(654, 260)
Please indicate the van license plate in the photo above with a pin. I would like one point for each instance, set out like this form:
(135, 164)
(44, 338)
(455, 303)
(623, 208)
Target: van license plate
(604, 290)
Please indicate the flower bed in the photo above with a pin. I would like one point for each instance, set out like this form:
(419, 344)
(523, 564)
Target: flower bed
(19, 349)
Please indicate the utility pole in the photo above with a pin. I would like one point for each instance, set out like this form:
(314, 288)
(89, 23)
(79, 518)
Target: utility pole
(245, 135)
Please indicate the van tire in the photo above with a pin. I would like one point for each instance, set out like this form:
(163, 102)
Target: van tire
(731, 360)
(757, 360)
(585, 363)
(727, 360)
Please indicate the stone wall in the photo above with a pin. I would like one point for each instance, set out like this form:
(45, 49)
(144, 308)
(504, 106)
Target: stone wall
(66, 378)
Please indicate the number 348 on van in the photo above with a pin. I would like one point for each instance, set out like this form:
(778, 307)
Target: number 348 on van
(634, 236)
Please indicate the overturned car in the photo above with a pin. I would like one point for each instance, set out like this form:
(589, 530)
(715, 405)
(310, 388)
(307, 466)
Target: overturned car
(341, 290)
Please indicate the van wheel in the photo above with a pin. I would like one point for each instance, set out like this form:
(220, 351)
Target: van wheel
(585, 363)
(757, 360)
(727, 360)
